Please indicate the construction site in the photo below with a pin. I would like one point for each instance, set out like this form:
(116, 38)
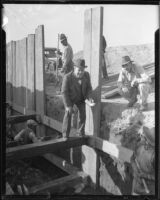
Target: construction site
(98, 163)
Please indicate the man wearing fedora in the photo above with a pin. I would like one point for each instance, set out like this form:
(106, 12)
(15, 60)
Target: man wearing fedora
(67, 55)
(143, 163)
(76, 89)
(133, 81)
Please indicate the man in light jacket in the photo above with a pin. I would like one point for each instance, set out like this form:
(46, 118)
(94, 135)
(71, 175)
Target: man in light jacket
(133, 81)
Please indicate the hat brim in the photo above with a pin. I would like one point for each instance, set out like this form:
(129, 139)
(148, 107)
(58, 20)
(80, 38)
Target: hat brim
(127, 62)
(63, 39)
(80, 66)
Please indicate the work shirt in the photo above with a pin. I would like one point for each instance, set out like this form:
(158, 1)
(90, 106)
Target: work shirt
(26, 136)
(73, 92)
(137, 73)
(67, 58)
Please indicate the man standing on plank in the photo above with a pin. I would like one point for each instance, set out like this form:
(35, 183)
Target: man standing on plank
(76, 90)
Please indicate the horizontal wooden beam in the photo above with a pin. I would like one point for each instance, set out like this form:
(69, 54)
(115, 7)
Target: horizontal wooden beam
(112, 149)
(64, 165)
(58, 185)
(41, 148)
(21, 109)
(20, 118)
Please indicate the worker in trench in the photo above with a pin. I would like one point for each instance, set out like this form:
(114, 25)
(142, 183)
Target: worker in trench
(67, 55)
(27, 135)
(76, 90)
(143, 164)
(133, 81)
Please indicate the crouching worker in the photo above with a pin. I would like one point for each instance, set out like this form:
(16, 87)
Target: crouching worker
(76, 89)
(143, 164)
(27, 135)
(132, 81)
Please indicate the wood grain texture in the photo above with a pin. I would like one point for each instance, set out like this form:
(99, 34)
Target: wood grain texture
(39, 75)
(30, 100)
(92, 55)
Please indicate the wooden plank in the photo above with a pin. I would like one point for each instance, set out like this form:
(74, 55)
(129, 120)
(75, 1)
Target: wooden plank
(20, 118)
(39, 75)
(30, 100)
(23, 71)
(110, 93)
(14, 71)
(41, 148)
(112, 149)
(52, 123)
(18, 74)
(22, 109)
(92, 55)
(63, 164)
(7, 61)
(58, 185)
(9, 72)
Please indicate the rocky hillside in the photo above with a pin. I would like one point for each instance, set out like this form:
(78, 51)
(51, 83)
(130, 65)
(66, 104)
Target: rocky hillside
(141, 54)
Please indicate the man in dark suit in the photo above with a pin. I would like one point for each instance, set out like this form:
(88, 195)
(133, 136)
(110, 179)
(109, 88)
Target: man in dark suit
(76, 89)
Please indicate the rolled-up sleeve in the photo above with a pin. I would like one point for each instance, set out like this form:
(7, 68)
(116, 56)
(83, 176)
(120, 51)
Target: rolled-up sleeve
(120, 80)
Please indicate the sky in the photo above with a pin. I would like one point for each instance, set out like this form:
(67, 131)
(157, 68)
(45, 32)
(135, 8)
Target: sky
(122, 24)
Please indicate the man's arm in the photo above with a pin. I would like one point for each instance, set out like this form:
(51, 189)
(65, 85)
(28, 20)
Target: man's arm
(144, 77)
(19, 136)
(65, 92)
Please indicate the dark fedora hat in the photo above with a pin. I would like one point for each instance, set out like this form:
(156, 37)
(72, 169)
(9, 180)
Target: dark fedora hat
(126, 60)
(80, 63)
(62, 37)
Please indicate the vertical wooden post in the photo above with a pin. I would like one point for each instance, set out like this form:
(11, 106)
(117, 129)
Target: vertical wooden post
(39, 75)
(18, 74)
(92, 55)
(23, 72)
(9, 71)
(14, 71)
(30, 101)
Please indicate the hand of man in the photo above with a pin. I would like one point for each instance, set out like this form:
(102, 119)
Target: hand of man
(69, 110)
(90, 102)
(125, 89)
(134, 83)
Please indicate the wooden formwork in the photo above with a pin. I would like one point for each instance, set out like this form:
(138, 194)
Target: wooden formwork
(25, 91)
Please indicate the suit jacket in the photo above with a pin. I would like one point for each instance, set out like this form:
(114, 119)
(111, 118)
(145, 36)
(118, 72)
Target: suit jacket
(72, 92)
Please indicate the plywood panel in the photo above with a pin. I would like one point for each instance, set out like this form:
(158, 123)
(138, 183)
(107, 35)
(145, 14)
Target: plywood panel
(30, 100)
(39, 74)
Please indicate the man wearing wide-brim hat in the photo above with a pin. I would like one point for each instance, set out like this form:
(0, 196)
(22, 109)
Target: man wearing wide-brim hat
(67, 55)
(133, 81)
(76, 90)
